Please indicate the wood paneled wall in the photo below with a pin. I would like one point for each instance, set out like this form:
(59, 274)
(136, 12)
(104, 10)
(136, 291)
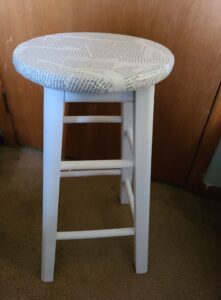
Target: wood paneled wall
(191, 29)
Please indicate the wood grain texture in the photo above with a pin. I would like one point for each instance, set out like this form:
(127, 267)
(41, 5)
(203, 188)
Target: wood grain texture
(191, 29)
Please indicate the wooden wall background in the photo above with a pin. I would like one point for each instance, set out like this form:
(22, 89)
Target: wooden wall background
(191, 29)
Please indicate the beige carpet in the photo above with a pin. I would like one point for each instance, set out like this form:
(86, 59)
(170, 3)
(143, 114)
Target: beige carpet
(185, 240)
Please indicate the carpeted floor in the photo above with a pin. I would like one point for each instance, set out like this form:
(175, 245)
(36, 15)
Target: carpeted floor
(185, 240)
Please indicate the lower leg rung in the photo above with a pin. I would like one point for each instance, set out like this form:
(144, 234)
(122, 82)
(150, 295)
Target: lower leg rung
(96, 164)
(90, 173)
(91, 234)
(92, 119)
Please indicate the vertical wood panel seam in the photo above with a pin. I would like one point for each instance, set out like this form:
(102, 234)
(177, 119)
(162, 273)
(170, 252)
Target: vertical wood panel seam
(202, 136)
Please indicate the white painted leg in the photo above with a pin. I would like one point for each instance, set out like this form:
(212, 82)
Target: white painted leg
(144, 104)
(126, 151)
(53, 125)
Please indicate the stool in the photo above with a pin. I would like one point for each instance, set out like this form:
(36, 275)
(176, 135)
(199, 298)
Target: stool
(96, 67)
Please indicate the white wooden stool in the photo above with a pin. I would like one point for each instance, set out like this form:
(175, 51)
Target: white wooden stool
(96, 67)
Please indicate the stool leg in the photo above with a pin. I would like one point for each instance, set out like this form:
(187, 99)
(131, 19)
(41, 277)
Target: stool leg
(126, 151)
(144, 104)
(53, 125)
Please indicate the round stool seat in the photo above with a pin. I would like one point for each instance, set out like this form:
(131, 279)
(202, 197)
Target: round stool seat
(93, 62)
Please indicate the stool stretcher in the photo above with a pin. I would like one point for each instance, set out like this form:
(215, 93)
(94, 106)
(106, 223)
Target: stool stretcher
(92, 234)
